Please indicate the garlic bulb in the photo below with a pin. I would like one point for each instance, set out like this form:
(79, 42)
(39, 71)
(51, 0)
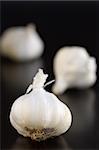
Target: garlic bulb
(39, 114)
(21, 43)
(73, 67)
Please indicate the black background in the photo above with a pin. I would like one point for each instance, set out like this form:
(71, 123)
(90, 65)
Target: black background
(59, 23)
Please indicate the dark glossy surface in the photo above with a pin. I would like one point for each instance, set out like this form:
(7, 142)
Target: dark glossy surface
(60, 23)
(83, 133)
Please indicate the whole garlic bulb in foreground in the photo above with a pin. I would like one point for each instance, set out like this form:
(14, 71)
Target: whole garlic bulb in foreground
(73, 67)
(21, 43)
(39, 114)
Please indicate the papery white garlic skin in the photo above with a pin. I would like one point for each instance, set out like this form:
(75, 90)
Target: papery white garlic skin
(40, 114)
(73, 67)
(21, 43)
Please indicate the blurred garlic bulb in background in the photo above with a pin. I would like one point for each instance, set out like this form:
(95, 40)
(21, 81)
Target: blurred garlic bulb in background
(73, 67)
(39, 114)
(21, 43)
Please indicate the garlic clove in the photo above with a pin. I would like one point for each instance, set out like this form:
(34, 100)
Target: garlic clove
(40, 114)
(73, 67)
(21, 43)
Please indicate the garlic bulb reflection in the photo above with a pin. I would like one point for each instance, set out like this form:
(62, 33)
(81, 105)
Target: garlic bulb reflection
(39, 114)
(73, 67)
(21, 43)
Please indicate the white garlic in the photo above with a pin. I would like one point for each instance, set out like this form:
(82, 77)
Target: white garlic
(39, 114)
(21, 43)
(73, 67)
